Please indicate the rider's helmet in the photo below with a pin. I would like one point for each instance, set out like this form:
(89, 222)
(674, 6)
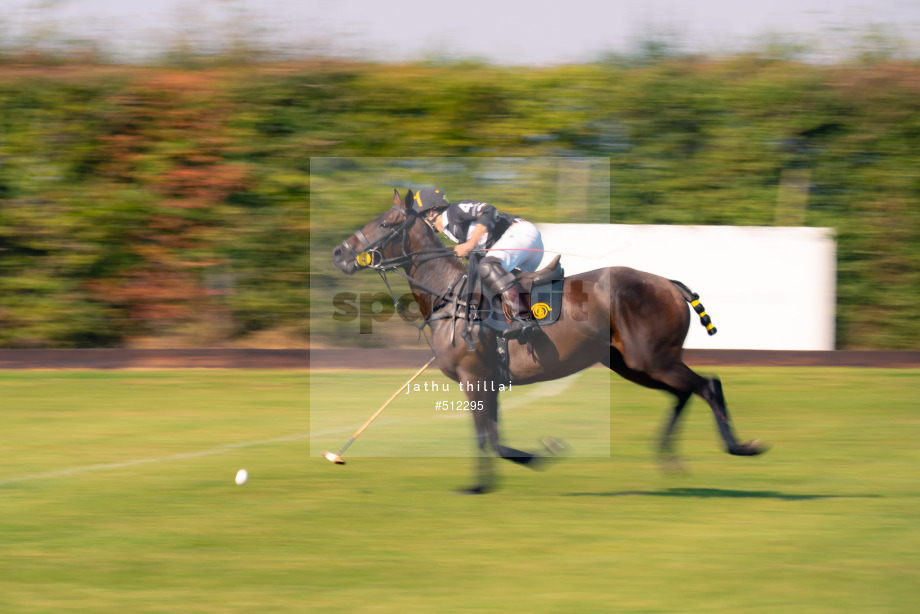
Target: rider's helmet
(428, 199)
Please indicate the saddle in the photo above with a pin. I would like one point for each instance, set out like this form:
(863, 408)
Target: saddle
(542, 290)
(551, 272)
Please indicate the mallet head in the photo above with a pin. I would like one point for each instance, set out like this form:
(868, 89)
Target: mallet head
(333, 458)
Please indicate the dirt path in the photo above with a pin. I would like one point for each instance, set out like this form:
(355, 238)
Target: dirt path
(397, 358)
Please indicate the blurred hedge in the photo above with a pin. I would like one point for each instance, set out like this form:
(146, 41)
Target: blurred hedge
(174, 204)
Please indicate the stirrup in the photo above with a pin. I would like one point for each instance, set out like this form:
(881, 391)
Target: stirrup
(519, 328)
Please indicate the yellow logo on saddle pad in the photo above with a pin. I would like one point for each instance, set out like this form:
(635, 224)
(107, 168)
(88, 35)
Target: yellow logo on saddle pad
(540, 310)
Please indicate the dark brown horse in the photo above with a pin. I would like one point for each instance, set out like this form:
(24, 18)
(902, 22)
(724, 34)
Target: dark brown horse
(633, 322)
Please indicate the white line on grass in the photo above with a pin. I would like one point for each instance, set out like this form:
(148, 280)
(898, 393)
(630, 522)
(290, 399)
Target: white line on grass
(181, 456)
(542, 390)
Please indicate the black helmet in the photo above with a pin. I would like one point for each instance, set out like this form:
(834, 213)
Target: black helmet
(429, 198)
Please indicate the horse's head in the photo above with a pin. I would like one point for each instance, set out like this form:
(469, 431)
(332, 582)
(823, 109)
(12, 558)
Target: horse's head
(380, 239)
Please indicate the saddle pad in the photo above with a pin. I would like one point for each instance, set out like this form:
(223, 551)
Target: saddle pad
(545, 306)
(546, 302)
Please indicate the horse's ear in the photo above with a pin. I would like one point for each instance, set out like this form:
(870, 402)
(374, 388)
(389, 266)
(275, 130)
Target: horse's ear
(409, 198)
(396, 199)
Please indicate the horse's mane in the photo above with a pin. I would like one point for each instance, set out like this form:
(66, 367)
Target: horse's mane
(426, 238)
(435, 273)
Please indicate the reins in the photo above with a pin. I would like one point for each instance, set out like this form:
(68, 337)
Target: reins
(371, 258)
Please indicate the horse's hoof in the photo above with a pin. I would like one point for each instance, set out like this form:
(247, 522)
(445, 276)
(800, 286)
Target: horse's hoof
(556, 447)
(750, 448)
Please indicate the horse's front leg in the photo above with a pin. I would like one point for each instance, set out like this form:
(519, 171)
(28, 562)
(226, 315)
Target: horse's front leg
(484, 407)
(486, 433)
(486, 417)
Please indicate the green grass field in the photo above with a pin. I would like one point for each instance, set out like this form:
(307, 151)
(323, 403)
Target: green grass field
(117, 495)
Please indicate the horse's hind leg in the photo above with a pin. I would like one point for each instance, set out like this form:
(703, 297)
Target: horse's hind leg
(678, 379)
(681, 378)
(666, 445)
(616, 364)
(712, 393)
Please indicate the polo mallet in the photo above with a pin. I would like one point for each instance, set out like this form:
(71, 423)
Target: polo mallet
(337, 458)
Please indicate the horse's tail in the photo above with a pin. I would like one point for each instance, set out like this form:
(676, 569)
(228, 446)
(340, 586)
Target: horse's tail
(694, 299)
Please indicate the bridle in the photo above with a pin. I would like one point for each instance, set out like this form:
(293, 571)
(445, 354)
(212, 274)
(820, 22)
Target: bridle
(372, 258)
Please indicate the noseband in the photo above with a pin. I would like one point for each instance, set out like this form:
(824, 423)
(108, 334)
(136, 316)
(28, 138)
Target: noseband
(371, 256)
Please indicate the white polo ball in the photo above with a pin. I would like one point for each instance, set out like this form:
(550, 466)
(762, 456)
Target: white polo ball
(241, 476)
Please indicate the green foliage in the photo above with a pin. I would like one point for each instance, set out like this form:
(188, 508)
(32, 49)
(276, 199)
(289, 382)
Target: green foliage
(142, 202)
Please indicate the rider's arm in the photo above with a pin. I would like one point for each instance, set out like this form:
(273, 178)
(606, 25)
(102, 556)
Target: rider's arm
(463, 249)
(484, 217)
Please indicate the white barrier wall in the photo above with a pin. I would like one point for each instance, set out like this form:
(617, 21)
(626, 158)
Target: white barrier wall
(766, 288)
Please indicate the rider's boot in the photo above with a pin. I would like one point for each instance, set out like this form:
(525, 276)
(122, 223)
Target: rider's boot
(520, 322)
(503, 283)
